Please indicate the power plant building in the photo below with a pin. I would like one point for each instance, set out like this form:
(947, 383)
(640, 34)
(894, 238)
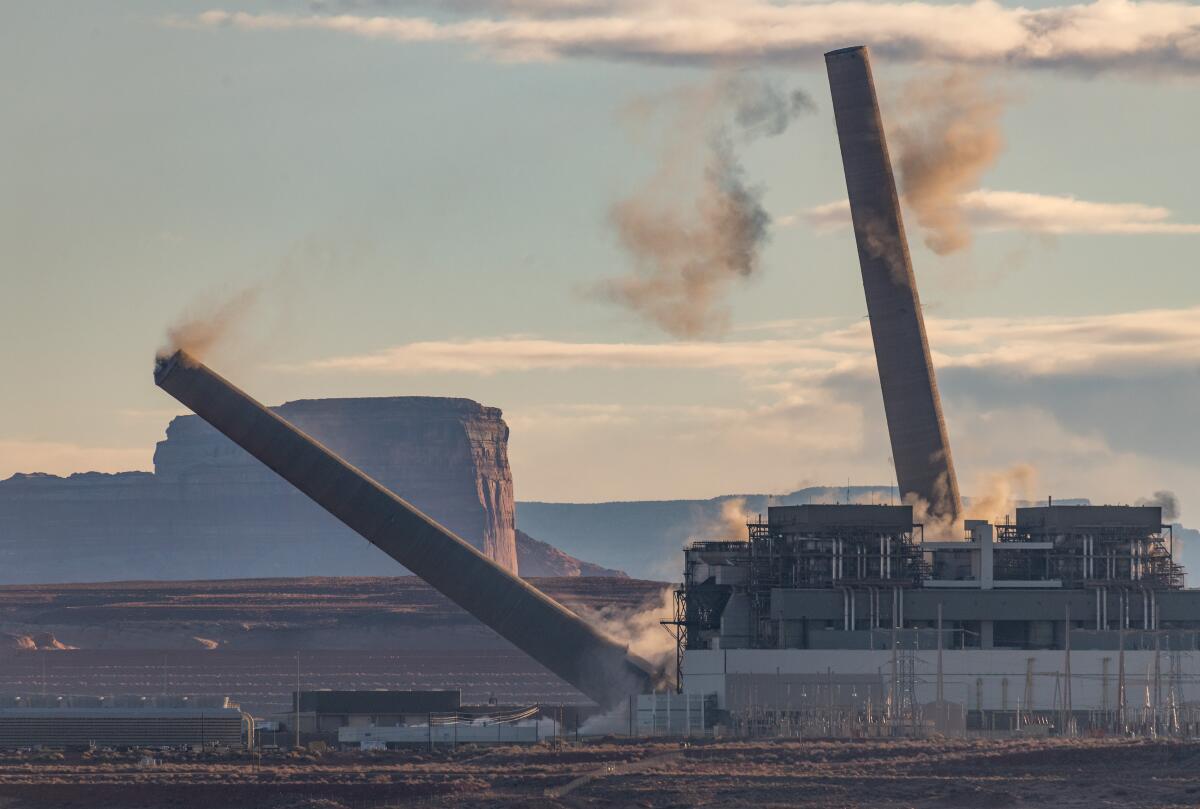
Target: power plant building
(1068, 612)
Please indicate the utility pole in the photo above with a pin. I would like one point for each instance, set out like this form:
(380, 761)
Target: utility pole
(1104, 665)
(1068, 714)
(1176, 684)
(1157, 683)
(1121, 684)
(893, 707)
(940, 676)
(1029, 689)
(297, 700)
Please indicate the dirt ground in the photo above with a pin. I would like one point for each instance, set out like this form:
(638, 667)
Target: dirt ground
(262, 682)
(384, 613)
(241, 639)
(648, 775)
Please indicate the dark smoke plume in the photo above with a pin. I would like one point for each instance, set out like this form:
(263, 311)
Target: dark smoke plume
(259, 314)
(205, 327)
(947, 136)
(698, 226)
(1166, 500)
(763, 108)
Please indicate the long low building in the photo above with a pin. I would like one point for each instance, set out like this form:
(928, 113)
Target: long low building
(327, 711)
(80, 722)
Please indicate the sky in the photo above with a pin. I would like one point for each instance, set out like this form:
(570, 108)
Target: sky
(419, 199)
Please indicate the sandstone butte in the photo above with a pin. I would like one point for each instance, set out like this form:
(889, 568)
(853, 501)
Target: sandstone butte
(209, 510)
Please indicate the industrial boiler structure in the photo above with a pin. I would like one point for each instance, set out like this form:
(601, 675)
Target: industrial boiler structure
(826, 618)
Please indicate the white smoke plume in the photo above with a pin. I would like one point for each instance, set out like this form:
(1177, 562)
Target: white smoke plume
(731, 520)
(642, 630)
(1164, 499)
(615, 722)
(1000, 493)
(696, 227)
(997, 495)
(646, 637)
(947, 135)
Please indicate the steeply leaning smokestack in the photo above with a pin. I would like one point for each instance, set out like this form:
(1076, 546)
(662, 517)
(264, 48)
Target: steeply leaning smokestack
(521, 614)
(920, 448)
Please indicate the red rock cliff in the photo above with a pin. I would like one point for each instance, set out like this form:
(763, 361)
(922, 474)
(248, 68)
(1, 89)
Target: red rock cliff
(448, 457)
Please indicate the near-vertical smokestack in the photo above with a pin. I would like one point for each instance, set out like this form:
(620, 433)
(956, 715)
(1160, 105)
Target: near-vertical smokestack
(533, 622)
(920, 447)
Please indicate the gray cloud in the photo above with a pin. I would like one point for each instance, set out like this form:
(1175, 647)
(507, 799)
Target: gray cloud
(1136, 345)
(1083, 397)
(1046, 214)
(551, 9)
(1115, 406)
(1086, 36)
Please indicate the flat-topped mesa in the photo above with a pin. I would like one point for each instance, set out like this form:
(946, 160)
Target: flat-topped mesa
(554, 636)
(447, 456)
(920, 444)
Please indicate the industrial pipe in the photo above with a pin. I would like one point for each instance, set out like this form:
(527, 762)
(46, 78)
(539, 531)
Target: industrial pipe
(555, 637)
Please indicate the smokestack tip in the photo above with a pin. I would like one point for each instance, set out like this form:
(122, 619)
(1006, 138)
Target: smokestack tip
(853, 50)
(165, 363)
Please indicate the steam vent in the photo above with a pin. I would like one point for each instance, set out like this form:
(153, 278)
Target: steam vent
(920, 446)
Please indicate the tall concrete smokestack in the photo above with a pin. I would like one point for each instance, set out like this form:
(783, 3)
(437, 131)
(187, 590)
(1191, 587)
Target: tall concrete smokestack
(542, 628)
(920, 447)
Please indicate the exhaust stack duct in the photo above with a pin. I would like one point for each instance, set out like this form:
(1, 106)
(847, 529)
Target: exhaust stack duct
(538, 625)
(920, 446)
